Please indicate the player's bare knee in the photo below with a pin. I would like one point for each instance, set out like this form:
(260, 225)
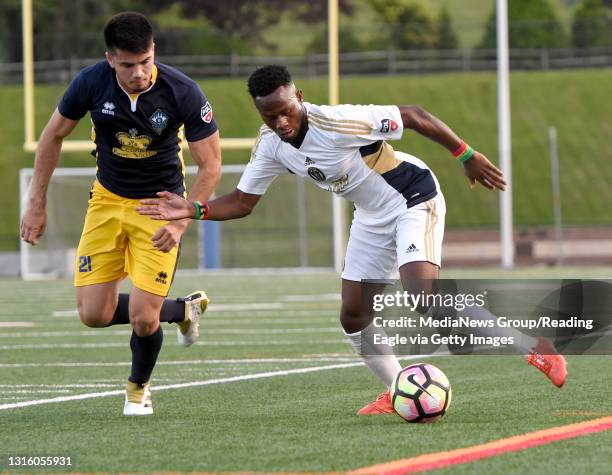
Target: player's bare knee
(350, 312)
(142, 325)
(353, 318)
(93, 317)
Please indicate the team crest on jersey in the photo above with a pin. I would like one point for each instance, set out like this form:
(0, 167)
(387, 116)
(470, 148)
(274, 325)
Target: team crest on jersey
(206, 113)
(133, 145)
(159, 121)
(316, 174)
(387, 125)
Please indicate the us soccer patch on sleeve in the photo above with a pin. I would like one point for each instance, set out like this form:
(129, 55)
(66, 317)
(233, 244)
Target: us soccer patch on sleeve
(206, 113)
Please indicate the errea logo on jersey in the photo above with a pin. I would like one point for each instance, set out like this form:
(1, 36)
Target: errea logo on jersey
(108, 108)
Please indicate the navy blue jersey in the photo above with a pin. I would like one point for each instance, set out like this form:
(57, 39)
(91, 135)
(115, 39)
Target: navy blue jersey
(138, 136)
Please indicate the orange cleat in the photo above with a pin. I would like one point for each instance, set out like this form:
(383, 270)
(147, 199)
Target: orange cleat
(382, 405)
(544, 357)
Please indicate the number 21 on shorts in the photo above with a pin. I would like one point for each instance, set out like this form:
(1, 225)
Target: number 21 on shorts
(84, 263)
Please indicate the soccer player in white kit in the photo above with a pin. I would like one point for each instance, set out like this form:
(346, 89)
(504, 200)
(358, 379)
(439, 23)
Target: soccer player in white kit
(398, 222)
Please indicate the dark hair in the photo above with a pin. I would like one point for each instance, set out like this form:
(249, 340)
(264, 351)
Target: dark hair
(267, 79)
(128, 31)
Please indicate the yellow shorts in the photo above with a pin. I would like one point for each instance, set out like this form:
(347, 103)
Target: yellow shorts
(116, 242)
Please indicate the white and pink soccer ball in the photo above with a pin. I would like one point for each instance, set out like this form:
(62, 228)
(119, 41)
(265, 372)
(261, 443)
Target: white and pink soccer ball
(421, 393)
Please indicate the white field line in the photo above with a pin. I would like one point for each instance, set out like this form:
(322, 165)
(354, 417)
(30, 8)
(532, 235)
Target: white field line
(220, 322)
(311, 298)
(16, 324)
(68, 299)
(282, 312)
(49, 346)
(60, 386)
(31, 391)
(208, 382)
(294, 312)
(65, 313)
(270, 374)
(227, 331)
(183, 363)
(120, 382)
(220, 307)
(258, 298)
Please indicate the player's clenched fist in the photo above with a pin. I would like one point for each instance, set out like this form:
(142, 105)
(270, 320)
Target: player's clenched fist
(169, 236)
(33, 225)
(168, 207)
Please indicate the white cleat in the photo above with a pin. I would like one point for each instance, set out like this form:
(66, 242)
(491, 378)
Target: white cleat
(187, 331)
(137, 400)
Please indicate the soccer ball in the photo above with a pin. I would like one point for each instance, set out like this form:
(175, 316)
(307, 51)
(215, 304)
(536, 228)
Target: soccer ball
(421, 393)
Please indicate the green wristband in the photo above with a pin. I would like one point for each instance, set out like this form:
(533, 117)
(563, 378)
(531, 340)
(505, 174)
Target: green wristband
(198, 210)
(465, 156)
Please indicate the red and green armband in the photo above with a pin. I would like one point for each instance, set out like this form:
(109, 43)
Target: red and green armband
(464, 152)
(201, 210)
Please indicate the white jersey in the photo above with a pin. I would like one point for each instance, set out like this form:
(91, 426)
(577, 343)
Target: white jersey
(345, 151)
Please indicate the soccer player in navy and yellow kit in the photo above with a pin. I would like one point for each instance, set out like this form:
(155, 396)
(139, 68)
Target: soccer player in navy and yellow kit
(141, 112)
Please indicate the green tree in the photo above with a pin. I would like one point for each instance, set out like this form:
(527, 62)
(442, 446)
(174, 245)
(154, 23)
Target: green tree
(592, 24)
(531, 24)
(73, 27)
(348, 41)
(446, 38)
(410, 26)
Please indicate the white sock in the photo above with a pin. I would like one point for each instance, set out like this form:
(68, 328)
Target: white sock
(379, 358)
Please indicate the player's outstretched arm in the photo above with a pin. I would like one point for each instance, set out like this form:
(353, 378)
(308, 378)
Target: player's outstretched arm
(476, 167)
(34, 220)
(170, 207)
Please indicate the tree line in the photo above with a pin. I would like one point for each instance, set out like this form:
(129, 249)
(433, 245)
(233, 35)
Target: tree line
(72, 28)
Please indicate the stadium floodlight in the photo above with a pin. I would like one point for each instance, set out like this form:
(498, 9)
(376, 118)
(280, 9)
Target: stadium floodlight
(504, 135)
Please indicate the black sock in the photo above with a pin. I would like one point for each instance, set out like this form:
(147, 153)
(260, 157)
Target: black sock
(172, 311)
(145, 350)
(122, 312)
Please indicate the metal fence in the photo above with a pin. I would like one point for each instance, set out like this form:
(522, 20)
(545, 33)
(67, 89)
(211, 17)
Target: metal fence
(367, 62)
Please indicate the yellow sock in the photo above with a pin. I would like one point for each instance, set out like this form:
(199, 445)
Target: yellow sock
(184, 325)
(135, 392)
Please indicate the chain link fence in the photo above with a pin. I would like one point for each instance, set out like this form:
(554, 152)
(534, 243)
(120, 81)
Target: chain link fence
(368, 62)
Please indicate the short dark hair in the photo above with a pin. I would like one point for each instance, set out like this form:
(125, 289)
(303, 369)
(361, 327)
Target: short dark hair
(128, 31)
(267, 79)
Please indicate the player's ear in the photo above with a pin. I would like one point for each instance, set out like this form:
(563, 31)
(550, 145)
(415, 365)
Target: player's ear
(300, 95)
(110, 59)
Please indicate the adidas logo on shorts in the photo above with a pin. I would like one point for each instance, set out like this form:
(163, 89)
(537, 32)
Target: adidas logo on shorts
(411, 248)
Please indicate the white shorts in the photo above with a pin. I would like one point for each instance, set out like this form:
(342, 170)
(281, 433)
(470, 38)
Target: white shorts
(416, 236)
